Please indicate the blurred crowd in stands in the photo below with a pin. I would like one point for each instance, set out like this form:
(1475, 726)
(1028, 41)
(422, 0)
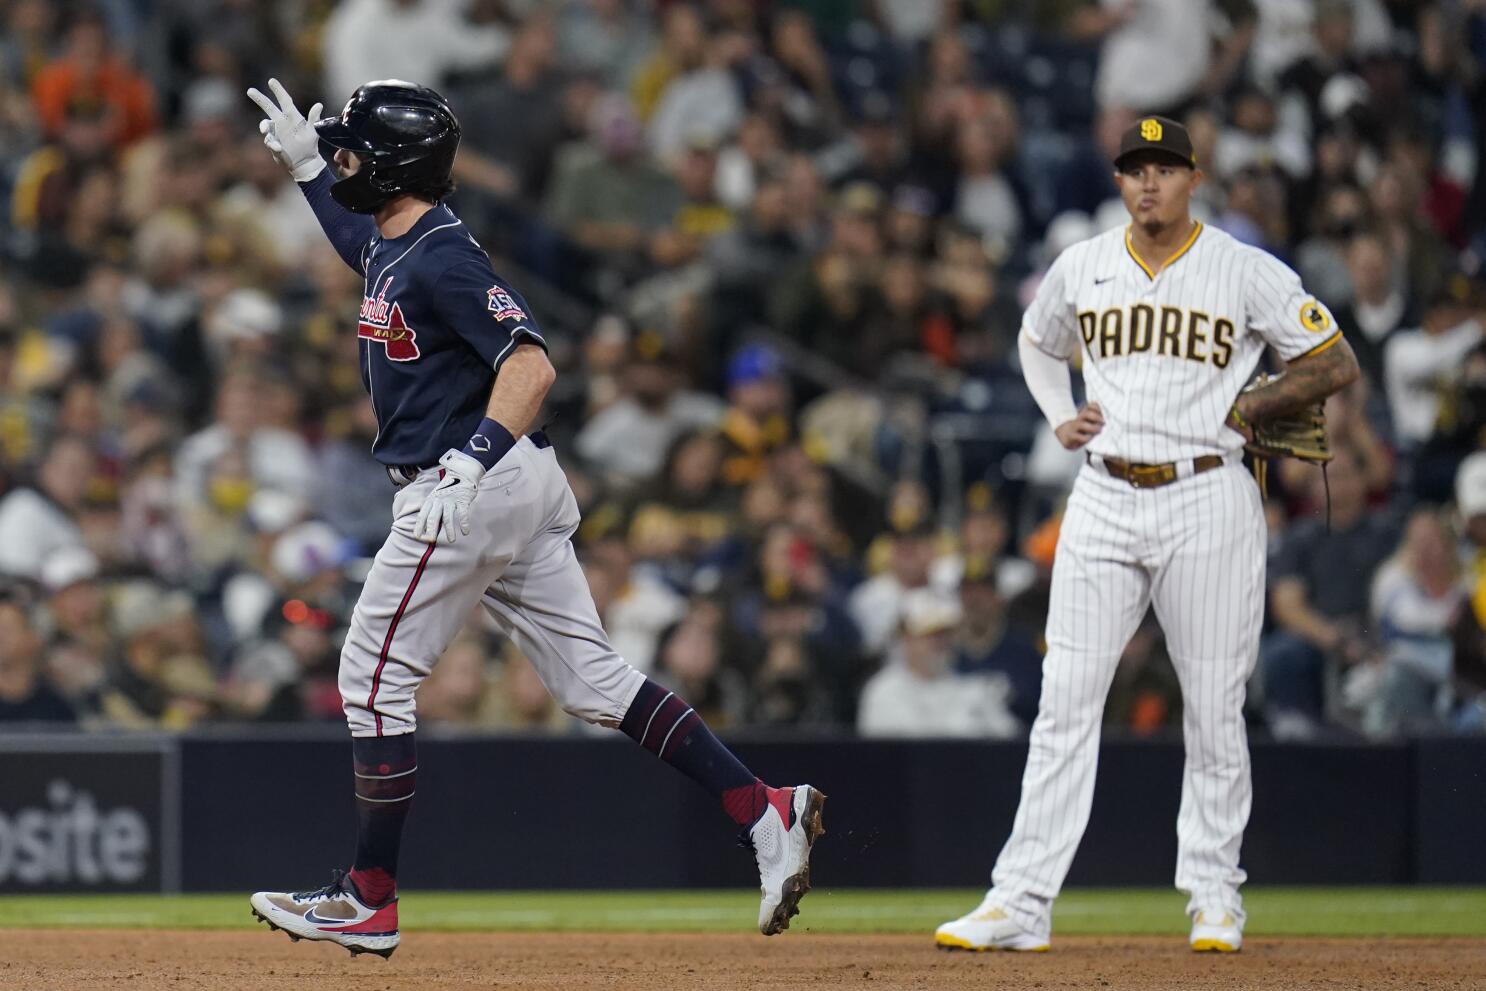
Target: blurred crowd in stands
(781, 250)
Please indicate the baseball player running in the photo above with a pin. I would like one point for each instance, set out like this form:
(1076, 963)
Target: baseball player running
(456, 369)
(1172, 318)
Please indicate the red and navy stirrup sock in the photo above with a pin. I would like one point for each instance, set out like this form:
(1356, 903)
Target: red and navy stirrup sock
(662, 723)
(386, 775)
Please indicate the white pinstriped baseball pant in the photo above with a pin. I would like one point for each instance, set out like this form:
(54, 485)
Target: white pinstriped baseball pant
(1195, 549)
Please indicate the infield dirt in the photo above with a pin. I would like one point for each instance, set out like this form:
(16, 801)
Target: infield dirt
(146, 960)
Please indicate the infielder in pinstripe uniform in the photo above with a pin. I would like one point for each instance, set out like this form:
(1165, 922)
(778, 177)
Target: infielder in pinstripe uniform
(1172, 318)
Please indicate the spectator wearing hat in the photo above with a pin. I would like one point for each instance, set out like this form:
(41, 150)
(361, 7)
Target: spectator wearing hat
(986, 644)
(75, 603)
(288, 629)
(38, 520)
(26, 696)
(243, 327)
(80, 641)
(699, 215)
(908, 227)
(760, 404)
(919, 694)
(160, 678)
(628, 440)
(876, 605)
(1419, 365)
(876, 151)
(803, 653)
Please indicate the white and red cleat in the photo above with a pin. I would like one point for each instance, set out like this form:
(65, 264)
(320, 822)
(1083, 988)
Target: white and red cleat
(781, 841)
(334, 913)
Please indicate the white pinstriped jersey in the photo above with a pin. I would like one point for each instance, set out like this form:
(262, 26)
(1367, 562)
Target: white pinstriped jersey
(1165, 354)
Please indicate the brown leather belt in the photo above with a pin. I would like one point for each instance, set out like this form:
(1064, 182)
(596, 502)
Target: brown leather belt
(1153, 476)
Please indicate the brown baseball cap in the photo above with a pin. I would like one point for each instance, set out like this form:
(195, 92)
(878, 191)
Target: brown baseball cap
(1157, 134)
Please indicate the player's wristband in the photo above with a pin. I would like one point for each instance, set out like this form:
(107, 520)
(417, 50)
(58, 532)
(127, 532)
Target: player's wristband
(489, 443)
(1237, 419)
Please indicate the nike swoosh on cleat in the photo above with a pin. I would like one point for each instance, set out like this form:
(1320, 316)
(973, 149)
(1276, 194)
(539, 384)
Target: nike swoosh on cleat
(316, 920)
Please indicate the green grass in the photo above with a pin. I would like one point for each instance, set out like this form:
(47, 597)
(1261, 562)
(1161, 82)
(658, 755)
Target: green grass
(1272, 911)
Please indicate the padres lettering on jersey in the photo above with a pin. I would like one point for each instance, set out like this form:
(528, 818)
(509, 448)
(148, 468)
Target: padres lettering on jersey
(1171, 332)
(1165, 353)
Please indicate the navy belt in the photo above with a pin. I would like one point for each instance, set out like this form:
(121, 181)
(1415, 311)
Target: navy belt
(401, 475)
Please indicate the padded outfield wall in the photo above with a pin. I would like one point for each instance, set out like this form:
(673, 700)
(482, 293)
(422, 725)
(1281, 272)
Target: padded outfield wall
(225, 811)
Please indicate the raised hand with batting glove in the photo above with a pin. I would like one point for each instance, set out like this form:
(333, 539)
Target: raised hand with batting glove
(289, 134)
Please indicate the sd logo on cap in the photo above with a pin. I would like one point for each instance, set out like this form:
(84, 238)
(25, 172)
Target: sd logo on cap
(1157, 134)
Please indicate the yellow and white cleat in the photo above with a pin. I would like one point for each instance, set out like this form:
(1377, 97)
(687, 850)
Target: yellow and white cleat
(989, 927)
(1215, 930)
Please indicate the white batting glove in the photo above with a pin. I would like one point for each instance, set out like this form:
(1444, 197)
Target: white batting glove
(289, 134)
(446, 511)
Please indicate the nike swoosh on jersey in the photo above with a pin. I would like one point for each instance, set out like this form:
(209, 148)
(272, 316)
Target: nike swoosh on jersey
(1107, 278)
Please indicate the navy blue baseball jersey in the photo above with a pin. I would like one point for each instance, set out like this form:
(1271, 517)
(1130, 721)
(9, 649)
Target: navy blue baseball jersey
(436, 323)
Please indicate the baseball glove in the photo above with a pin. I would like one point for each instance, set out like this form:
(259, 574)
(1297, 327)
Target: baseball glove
(1301, 434)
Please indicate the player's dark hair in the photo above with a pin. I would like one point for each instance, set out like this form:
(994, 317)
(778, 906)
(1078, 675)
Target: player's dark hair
(433, 192)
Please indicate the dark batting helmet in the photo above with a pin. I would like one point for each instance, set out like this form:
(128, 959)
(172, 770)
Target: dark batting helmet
(405, 136)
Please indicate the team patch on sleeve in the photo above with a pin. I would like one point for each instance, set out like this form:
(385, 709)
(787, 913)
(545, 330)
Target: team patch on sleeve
(1315, 318)
(503, 305)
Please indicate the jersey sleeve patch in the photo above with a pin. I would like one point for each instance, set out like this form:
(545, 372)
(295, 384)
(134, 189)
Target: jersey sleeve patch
(1315, 317)
(503, 305)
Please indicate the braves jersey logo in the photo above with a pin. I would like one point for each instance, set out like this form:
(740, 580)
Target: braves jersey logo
(383, 322)
(502, 305)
